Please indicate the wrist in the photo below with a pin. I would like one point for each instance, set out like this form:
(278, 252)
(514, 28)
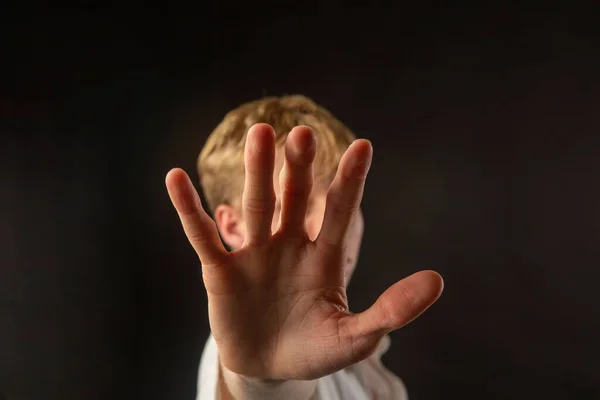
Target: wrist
(242, 387)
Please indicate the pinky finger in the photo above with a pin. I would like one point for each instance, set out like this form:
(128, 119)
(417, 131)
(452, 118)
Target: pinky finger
(199, 228)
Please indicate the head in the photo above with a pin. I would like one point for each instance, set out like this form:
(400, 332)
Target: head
(221, 165)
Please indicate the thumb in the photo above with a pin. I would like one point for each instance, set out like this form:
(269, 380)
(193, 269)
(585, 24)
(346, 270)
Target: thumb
(397, 306)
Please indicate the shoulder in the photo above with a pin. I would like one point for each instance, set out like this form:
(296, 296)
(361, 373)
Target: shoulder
(380, 382)
(208, 371)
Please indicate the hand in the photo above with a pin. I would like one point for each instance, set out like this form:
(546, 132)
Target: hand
(277, 306)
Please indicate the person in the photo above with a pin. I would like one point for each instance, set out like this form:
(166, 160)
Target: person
(284, 180)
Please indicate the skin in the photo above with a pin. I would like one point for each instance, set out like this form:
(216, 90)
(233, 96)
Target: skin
(232, 227)
(277, 303)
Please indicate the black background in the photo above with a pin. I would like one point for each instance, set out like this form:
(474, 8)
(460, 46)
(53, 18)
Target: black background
(485, 125)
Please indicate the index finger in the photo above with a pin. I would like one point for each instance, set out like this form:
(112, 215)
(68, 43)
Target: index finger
(345, 194)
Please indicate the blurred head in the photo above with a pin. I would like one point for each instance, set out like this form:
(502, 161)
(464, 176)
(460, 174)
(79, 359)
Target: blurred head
(221, 165)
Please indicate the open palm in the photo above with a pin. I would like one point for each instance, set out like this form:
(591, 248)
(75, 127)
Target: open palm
(278, 306)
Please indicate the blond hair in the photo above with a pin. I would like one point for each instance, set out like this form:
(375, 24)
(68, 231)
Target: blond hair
(221, 161)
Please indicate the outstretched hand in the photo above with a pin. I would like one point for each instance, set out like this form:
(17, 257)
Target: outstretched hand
(277, 306)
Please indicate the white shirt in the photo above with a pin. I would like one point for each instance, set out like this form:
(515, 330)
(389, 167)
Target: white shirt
(367, 380)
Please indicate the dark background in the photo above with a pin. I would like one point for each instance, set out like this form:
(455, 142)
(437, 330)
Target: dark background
(485, 124)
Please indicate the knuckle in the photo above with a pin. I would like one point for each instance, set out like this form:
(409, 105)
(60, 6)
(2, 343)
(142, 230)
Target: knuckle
(254, 173)
(353, 179)
(188, 210)
(408, 296)
(344, 207)
(328, 242)
(259, 205)
(329, 246)
(296, 191)
(204, 232)
(199, 236)
(398, 316)
(388, 317)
